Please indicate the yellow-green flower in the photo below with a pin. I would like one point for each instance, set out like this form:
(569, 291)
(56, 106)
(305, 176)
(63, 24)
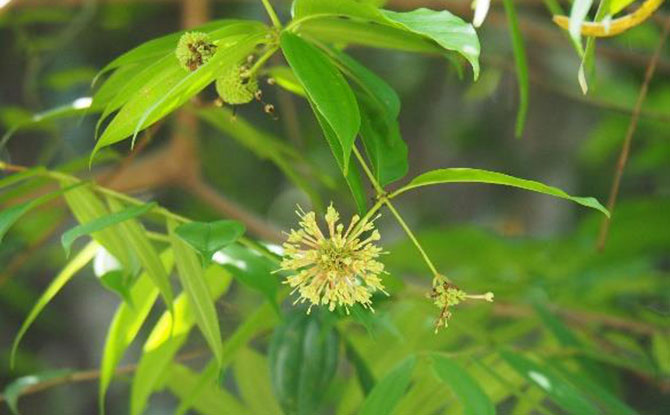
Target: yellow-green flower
(235, 86)
(446, 295)
(335, 268)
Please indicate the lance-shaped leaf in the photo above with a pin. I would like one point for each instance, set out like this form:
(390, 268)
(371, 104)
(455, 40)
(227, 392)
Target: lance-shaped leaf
(467, 175)
(167, 337)
(14, 389)
(557, 388)
(389, 390)
(327, 90)
(193, 282)
(521, 65)
(76, 264)
(471, 395)
(210, 237)
(98, 224)
(126, 324)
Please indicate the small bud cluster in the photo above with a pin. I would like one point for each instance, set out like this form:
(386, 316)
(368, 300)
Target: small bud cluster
(194, 50)
(446, 295)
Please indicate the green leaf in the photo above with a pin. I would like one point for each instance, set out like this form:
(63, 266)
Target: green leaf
(327, 90)
(261, 319)
(209, 237)
(610, 404)
(193, 282)
(117, 282)
(10, 215)
(86, 207)
(14, 389)
(126, 324)
(558, 389)
(167, 337)
(72, 267)
(383, 143)
(252, 270)
(521, 65)
(304, 9)
(660, 346)
(467, 175)
(286, 79)
(353, 175)
(164, 45)
(363, 373)
(468, 391)
(252, 378)
(98, 224)
(136, 239)
(211, 399)
(617, 5)
(389, 390)
(172, 87)
(449, 31)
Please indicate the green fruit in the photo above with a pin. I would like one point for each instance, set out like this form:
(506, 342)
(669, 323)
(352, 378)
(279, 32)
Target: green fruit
(194, 50)
(234, 88)
(303, 359)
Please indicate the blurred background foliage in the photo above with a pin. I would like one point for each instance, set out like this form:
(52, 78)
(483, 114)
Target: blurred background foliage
(597, 321)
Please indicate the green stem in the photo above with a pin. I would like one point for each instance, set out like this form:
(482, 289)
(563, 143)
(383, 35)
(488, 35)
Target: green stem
(383, 199)
(409, 233)
(271, 12)
(261, 61)
(158, 209)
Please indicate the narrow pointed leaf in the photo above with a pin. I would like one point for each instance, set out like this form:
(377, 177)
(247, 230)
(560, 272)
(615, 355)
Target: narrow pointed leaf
(200, 299)
(98, 224)
(126, 324)
(557, 388)
(167, 337)
(389, 390)
(467, 175)
(521, 65)
(326, 88)
(76, 264)
(471, 395)
(14, 389)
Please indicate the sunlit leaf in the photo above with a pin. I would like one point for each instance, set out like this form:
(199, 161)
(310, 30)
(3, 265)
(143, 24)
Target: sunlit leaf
(466, 175)
(126, 324)
(167, 337)
(98, 224)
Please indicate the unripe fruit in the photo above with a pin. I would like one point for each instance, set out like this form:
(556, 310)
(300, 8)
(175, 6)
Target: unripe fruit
(194, 50)
(235, 88)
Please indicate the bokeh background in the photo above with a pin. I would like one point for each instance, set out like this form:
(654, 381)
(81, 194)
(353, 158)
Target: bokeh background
(524, 247)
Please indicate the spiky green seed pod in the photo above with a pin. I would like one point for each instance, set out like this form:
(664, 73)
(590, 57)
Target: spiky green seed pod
(235, 88)
(194, 50)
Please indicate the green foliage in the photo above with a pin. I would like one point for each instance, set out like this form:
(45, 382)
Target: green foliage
(537, 348)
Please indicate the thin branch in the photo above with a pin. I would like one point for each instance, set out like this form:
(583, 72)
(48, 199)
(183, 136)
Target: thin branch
(625, 149)
(94, 374)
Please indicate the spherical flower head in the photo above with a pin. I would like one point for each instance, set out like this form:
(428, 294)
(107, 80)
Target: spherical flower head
(235, 86)
(194, 50)
(334, 268)
(446, 295)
